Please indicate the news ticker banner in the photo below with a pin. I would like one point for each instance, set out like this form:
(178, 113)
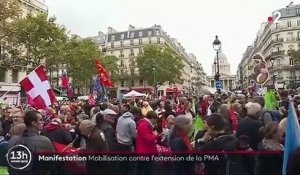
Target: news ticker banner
(19, 157)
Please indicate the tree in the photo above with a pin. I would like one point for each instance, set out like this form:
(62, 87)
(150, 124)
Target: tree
(166, 62)
(9, 11)
(80, 61)
(36, 40)
(295, 54)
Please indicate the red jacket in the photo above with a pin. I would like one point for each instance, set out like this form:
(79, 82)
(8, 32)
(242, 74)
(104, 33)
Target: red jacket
(145, 140)
(204, 107)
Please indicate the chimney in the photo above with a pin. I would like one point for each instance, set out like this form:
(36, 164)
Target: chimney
(131, 27)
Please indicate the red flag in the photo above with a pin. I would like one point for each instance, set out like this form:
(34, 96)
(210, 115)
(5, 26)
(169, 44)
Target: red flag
(65, 84)
(92, 100)
(38, 88)
(65, 81)
(104, 75)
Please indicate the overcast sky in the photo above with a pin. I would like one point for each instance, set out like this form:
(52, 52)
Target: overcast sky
(193, 22)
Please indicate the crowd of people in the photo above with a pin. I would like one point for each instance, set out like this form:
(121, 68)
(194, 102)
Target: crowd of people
(232, 122)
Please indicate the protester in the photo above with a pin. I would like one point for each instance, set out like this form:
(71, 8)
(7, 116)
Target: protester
(35, 142)
(180, 142)
(107, 127)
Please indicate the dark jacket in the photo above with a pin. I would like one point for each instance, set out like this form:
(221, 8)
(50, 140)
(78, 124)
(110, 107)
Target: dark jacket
(110, 135)
(266, 167)
(6, 126)
(36, 143)
(225, 162)
(57, 133)
(294, 162)
(250, 127)
(178, 145)
(97, 142)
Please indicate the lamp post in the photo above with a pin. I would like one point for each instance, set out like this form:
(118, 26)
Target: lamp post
(154, 80)
(217, 47)
(215, 63)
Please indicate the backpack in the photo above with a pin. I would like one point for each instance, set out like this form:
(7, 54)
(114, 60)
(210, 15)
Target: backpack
(275, 114)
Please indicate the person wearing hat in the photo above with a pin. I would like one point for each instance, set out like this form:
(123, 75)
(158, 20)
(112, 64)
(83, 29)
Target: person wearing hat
(106, 126)
(97, 142)
(56, 132)
(251, 124)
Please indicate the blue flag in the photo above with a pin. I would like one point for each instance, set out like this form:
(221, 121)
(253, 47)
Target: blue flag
(292, 138)
(97, 85)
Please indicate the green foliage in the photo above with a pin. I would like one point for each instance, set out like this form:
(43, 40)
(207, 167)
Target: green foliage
(9, 11)
(167, 63)
(295, 54)
(40, 38)
(80, 60)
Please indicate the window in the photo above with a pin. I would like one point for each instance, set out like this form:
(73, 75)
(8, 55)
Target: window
(289, 23)
(131, 42)
(132, 71)
(2, 74)
(131, 52)
(298, 35)
(292, 74)
(298, 11)
(278, 49)
(140, 33)
(149, 40)
(113, 37)
(157, 32)
(112, 45)
(279, 74)
(277, 37)
(111, 52)
(15, 76)
(298, 22)
(278, 63)
(122, 63)
(121, 54)
(122, 84)
(122, 72)
(132, 83)
(122, 36)
(288, 11)
(131, 34)
(277, 25)
(141, 82)
(149, 33)
(158, 40)
(121, 43)
(291, 61)
(290, 36)
(140, 41)
(140, 50)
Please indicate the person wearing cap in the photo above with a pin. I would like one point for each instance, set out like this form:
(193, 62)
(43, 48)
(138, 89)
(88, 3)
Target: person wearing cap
(56, 132)
(180, 142)
(251, 124)
(95, 141)
(106, 126)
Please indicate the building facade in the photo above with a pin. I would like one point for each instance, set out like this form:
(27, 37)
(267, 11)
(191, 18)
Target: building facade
(275, 41)
(227, 79)
(128, 45)
(10, 78)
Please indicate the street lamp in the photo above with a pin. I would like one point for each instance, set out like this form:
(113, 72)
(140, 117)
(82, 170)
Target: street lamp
(217, 47)
(215, 63)
(154, 79)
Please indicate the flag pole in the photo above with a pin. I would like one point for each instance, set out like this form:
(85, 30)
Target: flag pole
(6, 93)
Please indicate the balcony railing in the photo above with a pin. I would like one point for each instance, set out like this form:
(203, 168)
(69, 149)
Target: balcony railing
(278, 40)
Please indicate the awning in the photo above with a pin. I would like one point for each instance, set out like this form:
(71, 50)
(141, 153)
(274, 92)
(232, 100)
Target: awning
(173, 90)
(143, 90)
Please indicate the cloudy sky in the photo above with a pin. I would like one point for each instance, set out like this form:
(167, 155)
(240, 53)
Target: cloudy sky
(193, 22)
